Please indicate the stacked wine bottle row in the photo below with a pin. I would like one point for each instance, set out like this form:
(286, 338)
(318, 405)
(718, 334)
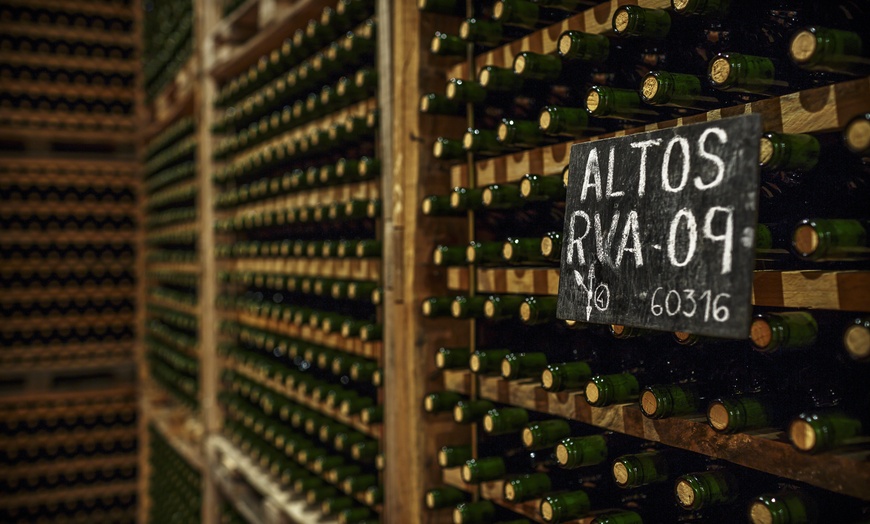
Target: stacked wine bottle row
(802, 374)
(175, 487)
(67, 70)
(168, 42)
(298, 252)
(171, 331)
(69, 457)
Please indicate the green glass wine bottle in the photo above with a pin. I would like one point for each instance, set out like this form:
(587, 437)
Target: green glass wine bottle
(830, 50)
(469, 411)
(538, 310)
(485, 361)
(515, 366)
(821, 240)
(566, 376)
(771, 332)
(444, 497)
(564, 506)
(452, 456)
(505, 420)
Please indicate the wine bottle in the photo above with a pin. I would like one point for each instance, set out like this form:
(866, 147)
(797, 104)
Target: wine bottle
(523, 365)
(662, 88)
(830, 240)
(829, 50)
(856, 339)
(525, 14)
(444, 497)
(787, 330)
(452, 456)
(620, 104)
(820, 431)
(486, 361)
(469, 411)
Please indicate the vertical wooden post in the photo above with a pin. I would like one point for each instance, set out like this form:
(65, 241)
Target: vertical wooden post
(207, 18)
(411, 437)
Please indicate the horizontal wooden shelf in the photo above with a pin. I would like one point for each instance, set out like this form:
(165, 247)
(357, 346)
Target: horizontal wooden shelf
(30, 133)
(67, 237)
(67, 208)
(173, 267)
(818, 110)
(768, 451)
(49, 365)
(68, 33)
(276, 20)
(154, 200)
(365, 190)
(40, 60)
(596, 20)
(177, 228)
(372, 430)
(63, 266)
(175, 305)
(61, 466)
(494, 492)
(819, 289)
(106, 167)
(35, 322)
(78, 6)
(105, 489)
(38, 88)
(70, 118)
(174, 100)
(182, 429)
(355, 346)
(344, 268)
(68, 437)
(65, 357)
(236, 474)
(37, 403)
(72, 291)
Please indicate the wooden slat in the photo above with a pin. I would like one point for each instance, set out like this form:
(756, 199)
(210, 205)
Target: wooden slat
(77, 63)
(57, 495)
(66, 208)
(116, 123)
(354, 346)
(596, 20)
(344, 268)
(175, 305)
(68, 437)
(837, 290)
(818, 110)
(61, 466)
(365, 190)
(29, 132)
(58, 89)
(34, 322)
(78, 6)
(68, 33)
(66, 237)
(769, 451)
(174, 267)
(31, 294)
(25, 404)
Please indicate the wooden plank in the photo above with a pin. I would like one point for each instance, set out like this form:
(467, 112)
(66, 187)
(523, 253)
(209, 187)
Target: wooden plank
(57, 89)
(38, 133)
(34, 294)
(61, 61)
(34, 322)
(172, 267)
(344, 268)
(54, 496)
(68, 437)
(77, 6)
(227, 61)
(322, 196)
(105, 396)
(818, 110)
(68, 465)
(819, 289)
(77, 208)
(596, 20)
(769, 450)
(67, 33)
(66, 237)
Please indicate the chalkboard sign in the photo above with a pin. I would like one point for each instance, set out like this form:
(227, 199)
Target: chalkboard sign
(660, 229)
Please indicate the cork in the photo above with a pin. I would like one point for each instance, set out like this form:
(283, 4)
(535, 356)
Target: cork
(650, 87)
(474, 363)
(528, 437)
(435, 45)
(679, 5)
(489, 309)
(620, 21)
(546, 507)
(466, 473)
(458, 414)
(564, 44)
(620, 473)
(429, 404)
(803, 46)
(685, 494)
(454, 199)
(484, 77)
(464, 30)
(502, 132)
(525, 315)
(437, 151)
(427, 307)
(507, 250)
(593, 100)
(544, 120)
(856, 339)
(430, 500)
(487, 423)
(427, 204)
(857, 135)
(618, 329)
(470, 254)
(802, 435)
(450, 91)
(760, 514)
(765, 150)
(505, 368)
(720, 70)
(546, 246)
(519, 61)
(718, 416)
(457, 513)
(467, 140)
(562, 454)
(648, 403)
(509, 492)
(547, 375)
(760, 333)
(805, 239)
(592, 392)
(442, 458)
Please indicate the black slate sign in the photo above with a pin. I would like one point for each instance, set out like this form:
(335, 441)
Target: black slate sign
(660, 229)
